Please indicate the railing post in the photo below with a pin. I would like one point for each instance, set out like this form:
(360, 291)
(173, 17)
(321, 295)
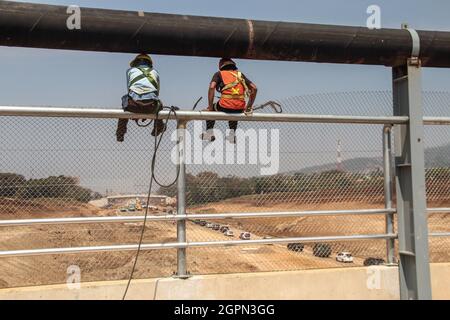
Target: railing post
(388, 195)
(414, 268)
(181, 198)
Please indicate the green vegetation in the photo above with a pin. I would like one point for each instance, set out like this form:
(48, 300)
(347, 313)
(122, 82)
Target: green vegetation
(62, 187)
(207, 187)
(210, 187)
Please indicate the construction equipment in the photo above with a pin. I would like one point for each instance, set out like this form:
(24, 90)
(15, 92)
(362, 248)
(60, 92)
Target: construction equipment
(131, 206)
(138, 204)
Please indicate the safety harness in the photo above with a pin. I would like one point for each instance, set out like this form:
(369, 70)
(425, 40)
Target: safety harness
(235, 94)
(146, 74)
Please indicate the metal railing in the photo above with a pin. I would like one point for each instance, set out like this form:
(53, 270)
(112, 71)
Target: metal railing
(182, 117)
(209, 216)
(183, 245)
(182, 217)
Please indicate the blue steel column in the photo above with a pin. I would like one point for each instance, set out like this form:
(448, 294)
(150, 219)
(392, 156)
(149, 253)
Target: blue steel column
(414, 269)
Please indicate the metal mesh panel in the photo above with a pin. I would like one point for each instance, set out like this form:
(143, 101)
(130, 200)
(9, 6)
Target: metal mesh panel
(437, 155)
(61, 236)
(42, 270)
(310, 177)
(58, 168)
(279, 257)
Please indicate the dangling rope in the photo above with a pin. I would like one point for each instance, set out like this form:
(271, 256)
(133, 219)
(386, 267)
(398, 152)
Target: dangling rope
(157, 143)
(274, 105)
(172, 110)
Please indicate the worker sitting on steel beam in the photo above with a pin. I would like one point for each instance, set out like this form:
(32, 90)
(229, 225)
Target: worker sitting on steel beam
(234, 87)
(143, 94)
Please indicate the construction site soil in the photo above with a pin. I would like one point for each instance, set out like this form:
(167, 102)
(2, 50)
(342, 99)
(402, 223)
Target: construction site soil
(59, 268)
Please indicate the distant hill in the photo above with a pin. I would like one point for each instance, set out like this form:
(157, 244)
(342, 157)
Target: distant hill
(351, 165)
(434, 157)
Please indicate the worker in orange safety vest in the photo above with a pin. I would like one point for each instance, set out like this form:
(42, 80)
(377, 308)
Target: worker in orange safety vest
(235, 88)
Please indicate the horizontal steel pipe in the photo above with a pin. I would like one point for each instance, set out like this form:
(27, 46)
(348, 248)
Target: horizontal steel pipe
(178, 245)
(440, 234)
(436, 121)
(194, 115)
(201, 115)
(218, 216)
(45, 26)
(438, 210)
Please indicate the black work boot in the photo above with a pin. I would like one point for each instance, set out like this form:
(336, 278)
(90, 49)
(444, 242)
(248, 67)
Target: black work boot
(121, 129)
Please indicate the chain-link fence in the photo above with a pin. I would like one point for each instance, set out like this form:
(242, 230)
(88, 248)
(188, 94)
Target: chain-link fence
(67, 167)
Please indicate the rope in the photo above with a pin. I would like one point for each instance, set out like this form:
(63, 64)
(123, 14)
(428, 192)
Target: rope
(274, 105)
(152, 179)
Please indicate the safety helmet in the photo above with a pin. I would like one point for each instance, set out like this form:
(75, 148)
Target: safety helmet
(225, 62)
(141, 57)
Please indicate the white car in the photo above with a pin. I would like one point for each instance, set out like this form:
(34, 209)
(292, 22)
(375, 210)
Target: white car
(210, 225)
(229, 233)
(345, 257)
(245, 236)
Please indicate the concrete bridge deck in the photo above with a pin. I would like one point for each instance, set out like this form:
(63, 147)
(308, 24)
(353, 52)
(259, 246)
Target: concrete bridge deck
(378, 282)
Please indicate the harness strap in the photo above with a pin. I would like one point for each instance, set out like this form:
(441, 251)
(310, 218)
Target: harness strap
(239, 80)
(246, 90)
(235, 83)
(232, 96)
(146, 75)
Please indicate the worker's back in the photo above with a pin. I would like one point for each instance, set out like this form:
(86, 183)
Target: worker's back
(142, 94)
(143, 83)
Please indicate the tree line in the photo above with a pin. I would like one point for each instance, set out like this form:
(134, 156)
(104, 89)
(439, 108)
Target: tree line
(210, 187)
(63, 187)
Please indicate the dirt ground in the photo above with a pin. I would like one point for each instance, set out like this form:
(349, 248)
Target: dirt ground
(36, 270)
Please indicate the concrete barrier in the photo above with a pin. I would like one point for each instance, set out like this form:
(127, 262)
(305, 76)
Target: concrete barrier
(378, 282)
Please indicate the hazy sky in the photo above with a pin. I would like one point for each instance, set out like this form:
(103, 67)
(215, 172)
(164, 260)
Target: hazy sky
(85, 79)
(71, 78)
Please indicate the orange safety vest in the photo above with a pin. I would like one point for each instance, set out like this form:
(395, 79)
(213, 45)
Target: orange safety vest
(234, 91)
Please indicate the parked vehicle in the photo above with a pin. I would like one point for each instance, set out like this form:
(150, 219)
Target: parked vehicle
(202, 223)
(209, 225)
(224, 228)
(123, 209)
(229, 233)
(345, 257)
(297, 247)
(216, 227)
(374, 262)
(245, 236)
(322, 250)
(138, 205)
